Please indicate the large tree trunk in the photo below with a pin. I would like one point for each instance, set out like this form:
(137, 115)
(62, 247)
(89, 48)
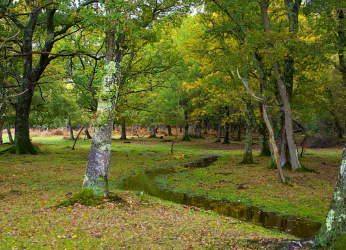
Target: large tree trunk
(247, 158)
(295, 162)
(334, 228)
(96, 175)
(22, 142)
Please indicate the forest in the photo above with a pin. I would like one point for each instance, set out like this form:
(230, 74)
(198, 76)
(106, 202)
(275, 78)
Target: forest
(170, 124)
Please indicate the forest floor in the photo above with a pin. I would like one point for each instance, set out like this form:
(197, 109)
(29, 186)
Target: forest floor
(31, 187)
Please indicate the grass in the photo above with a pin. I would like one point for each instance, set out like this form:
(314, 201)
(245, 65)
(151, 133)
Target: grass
(32, 185)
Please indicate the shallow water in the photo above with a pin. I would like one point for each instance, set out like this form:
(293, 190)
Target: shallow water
(289, 224)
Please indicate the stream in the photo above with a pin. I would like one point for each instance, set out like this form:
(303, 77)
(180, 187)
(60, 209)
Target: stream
(290, 224)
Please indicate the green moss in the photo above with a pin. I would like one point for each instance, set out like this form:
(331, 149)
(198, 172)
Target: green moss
(247, 161)
(86, 197)
(98, 184)
(340, 244)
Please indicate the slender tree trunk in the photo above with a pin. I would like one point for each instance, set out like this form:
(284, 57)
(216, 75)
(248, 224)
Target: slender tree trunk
(96, 175)
(205, 126)
(1, 128)
(123, 131)
(226, 138)
(262, 133)
(219, 130)
(9, 133)
(87, 133)
(247, 158)
(295, 162)
(239, 130)
(70, 127)
(334, 228)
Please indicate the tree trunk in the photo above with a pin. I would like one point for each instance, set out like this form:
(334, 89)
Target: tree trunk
(87, 133)
(239, 130)
(191, 129)
(169, 130)
(219, 130)
(226, 138)
(152, 130)
(22, 142)
(262, 134)
(1, 128)
(247, 158)
(295, 162)
(199, 129)
(334, 228)
(9, 133)
(96, 176)
(282, 142)
(70, 127)
(205, 126)
(186, 136)
(123, 131)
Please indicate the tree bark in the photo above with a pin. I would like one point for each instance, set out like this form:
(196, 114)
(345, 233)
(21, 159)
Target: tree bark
(123, 131)
(70, 127)
(199, 129)
(247, 158)
(239, 130)
(226, 138)
(96, 176)
(219, 130)
(9, 133)
(169, 130)
(334, 227)
(87, 133)
(152, 130)
(295, 162)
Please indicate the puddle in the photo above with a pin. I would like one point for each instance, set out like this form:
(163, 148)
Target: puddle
(289, 224)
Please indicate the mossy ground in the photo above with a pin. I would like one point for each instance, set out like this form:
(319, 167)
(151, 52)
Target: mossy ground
(31, 185)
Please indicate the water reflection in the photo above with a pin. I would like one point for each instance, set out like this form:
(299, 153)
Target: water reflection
(290, 224)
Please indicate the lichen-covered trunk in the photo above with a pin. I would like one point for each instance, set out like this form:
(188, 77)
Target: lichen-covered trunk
(247, 158)
(96, 175)
(123, 131)
(333, 231)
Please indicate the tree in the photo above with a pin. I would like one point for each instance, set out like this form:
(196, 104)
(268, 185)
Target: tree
(123, 20)
(50, 22)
